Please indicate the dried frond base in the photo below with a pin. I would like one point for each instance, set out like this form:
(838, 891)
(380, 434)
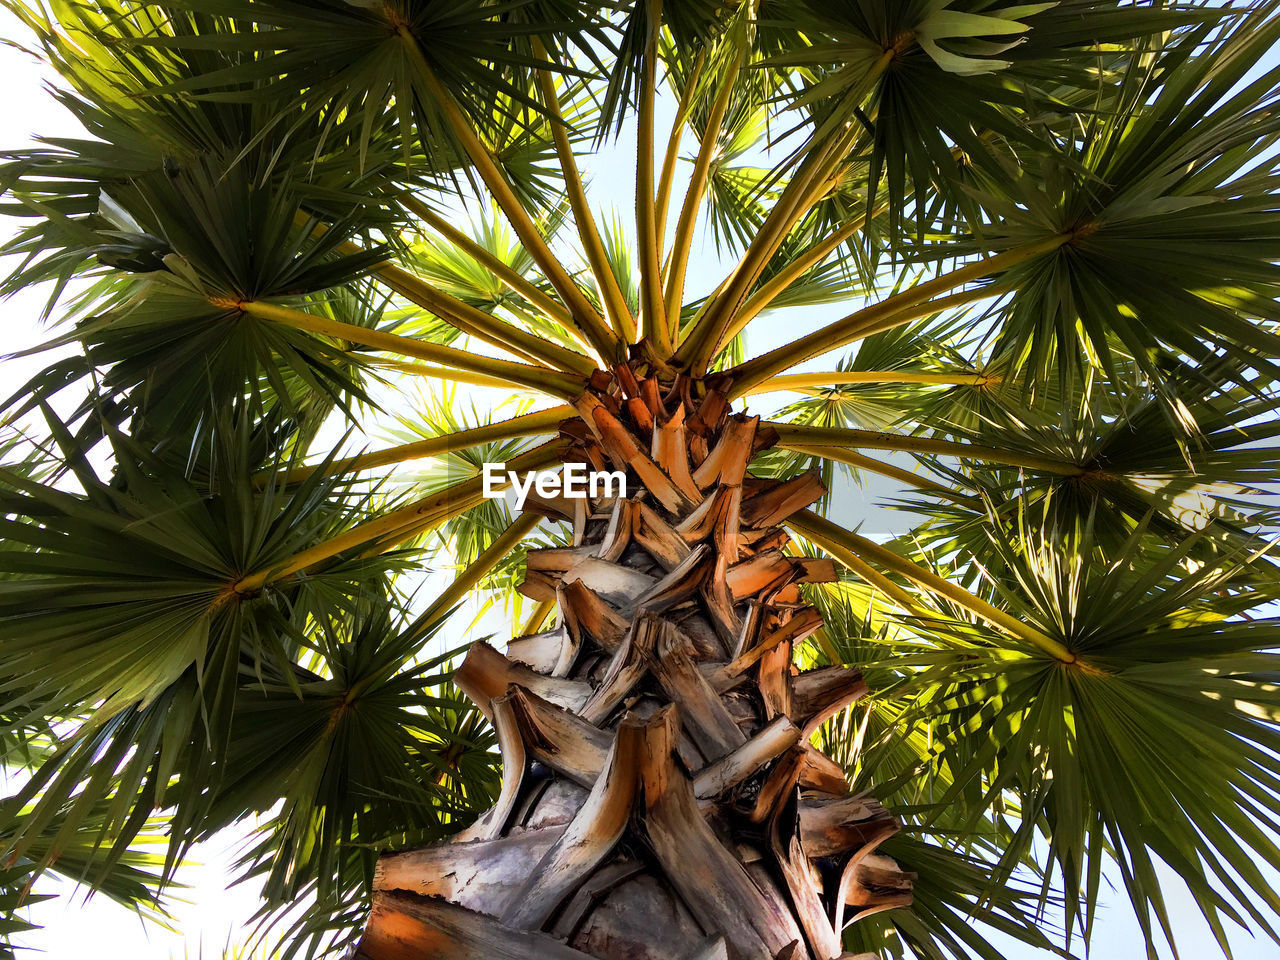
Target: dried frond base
(661, 801)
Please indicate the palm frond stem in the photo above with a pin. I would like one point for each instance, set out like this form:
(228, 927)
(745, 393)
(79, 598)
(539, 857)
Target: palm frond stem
(397, 526)
(526, 425)
(836, 378)
(682, 242)
(538, 617)
(802, 191)
(699, 346)
(555, 382)
(820, 530)
(862, 462)
(584, 314)
(892, 311)
(514, 281)
(441, 373)
(615, 303)
(666, 179)
(652, 306)
(486, 326)
(492, 330)
(866, 572)
(961, 298)
(812, 438)
(475, 571)
(776, 285)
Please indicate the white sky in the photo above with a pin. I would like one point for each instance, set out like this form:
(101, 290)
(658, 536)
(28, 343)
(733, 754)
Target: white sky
(213, 915)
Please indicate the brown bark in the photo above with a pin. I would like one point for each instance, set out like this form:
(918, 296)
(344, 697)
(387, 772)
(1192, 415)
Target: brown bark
(660, 799)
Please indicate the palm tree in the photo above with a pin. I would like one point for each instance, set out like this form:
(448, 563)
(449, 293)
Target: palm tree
(1018, 260)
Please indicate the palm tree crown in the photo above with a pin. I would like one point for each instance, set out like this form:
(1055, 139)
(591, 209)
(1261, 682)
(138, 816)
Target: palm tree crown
(1017, 260)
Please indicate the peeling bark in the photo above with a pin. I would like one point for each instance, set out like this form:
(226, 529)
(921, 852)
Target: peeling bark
(661, 800)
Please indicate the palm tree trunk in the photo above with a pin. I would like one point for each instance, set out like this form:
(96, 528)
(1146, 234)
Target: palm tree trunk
(661, 800)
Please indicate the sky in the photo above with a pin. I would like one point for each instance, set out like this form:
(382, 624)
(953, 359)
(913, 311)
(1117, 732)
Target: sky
(206, 914)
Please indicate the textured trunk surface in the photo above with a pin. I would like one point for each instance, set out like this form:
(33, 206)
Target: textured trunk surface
(661, 800)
